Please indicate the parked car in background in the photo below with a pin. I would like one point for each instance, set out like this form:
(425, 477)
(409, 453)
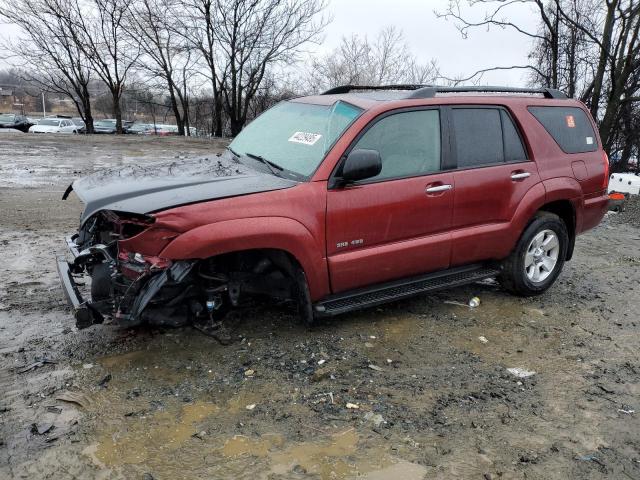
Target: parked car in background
(104, 126)
(163, 130)
(78, 122)
(54, 125)
(109, 126)
(140, 128)
(17, 122)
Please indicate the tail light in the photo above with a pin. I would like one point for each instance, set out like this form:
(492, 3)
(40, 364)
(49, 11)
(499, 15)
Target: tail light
(605, 182)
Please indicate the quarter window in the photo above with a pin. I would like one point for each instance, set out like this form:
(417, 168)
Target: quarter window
(409, 143)
(569, 126)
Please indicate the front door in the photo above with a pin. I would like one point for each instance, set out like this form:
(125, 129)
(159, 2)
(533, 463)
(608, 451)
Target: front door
(395, 224)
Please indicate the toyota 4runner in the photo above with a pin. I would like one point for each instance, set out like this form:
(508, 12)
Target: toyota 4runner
(352, 198)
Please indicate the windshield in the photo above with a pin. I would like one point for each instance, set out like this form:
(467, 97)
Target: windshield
(49, 123)
(105, 123)
(296, 136)
(7, 117)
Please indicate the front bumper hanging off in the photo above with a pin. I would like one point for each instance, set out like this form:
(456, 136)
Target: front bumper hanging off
(88, 313)
(85, 316)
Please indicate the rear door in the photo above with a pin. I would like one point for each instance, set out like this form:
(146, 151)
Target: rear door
(493, 173)
(396, 224)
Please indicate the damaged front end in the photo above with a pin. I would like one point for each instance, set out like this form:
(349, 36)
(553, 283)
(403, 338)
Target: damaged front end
(123, 284)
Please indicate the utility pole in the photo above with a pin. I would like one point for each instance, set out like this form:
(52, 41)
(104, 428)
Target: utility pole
(44, 109)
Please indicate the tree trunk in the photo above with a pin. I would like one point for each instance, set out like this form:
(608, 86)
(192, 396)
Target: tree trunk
(88, 116)
(604, 56)
(117, 111)
(176, 110)
(217, 115)
(235, 125)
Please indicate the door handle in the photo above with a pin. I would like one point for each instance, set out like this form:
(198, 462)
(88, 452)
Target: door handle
(520, 175)
(439, 188)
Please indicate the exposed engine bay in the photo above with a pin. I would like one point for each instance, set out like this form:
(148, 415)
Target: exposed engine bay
(133, 288)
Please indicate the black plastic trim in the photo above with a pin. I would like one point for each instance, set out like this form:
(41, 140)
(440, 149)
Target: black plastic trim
(398, 289)
(430, 91)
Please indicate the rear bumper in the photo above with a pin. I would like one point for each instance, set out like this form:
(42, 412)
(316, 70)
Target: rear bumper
(594, 209)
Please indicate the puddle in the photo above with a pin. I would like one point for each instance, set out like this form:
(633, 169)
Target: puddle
(335, 458)
(157, 434)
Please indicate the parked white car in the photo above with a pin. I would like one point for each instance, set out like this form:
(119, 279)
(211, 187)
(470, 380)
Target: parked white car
(55, 125)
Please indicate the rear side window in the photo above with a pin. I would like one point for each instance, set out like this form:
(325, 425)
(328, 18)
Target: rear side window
(478, 134)
(486, 136)
(569, 126)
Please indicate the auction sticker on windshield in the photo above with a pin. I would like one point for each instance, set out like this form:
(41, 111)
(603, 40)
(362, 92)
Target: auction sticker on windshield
(305, 138)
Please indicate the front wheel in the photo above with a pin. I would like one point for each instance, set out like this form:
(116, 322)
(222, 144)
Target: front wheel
(537, 260)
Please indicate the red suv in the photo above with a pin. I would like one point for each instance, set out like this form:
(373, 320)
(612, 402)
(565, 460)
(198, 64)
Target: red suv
(349, 199)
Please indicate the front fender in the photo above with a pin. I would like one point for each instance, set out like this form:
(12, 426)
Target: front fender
(256, 233)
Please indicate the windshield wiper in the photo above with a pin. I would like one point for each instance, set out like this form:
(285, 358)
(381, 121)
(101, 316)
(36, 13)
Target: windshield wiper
(234, 153)
(271, 165)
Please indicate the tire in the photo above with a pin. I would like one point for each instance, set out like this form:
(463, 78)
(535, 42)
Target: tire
(303, 300)
(537, 260)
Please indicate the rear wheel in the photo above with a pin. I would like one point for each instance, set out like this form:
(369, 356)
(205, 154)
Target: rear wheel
(537, 260)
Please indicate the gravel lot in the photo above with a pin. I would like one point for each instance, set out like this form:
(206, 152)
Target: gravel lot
(428, 376)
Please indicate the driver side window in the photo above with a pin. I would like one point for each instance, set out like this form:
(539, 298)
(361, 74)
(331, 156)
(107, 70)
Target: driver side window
(409, 144)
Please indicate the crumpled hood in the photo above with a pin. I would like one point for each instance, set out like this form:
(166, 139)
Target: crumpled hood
(151, 188)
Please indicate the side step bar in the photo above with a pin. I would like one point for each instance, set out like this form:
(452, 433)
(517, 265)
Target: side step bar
(386, 292)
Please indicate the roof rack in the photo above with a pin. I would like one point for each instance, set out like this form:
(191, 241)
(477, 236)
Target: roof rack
(430, 91)
(348, 88)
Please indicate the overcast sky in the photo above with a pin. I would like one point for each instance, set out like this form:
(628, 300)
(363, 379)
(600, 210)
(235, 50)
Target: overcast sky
(427, 36)
(432, 37)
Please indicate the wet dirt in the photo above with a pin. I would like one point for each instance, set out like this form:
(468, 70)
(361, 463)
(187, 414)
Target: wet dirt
(108, 402)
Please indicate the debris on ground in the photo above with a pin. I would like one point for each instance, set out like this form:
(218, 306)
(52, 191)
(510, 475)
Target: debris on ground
(521, 372)
(483, 339)
(106, 379)
(353, 406)
(36, 364)
(375, 418)
(74, 397)
(376, 368)
(474, 302)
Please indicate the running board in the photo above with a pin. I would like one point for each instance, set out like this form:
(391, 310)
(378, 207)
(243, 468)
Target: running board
(386, 292)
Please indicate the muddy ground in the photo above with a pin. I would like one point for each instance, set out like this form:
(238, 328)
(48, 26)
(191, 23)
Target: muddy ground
(438, 403)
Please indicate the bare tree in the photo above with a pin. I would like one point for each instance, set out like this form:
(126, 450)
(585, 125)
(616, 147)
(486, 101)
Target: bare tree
(496, 13)
(49, 52)
(99, 27)
(241, 39)
(358, 61)
(165, 54)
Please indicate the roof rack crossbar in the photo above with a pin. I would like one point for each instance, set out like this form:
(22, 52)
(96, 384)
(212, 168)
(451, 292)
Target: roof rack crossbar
(430, 91)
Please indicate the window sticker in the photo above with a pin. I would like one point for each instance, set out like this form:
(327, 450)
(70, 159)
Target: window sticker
(571, 122)
(589, 140)
(305, 138)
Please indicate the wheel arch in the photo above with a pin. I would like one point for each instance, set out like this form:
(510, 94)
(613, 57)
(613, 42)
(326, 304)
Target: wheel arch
(277, 234)
(567, 213)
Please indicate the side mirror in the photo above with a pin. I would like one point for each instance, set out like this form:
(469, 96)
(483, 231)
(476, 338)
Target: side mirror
(361, 164)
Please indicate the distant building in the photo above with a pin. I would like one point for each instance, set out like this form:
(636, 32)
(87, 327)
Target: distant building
(15, 100)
